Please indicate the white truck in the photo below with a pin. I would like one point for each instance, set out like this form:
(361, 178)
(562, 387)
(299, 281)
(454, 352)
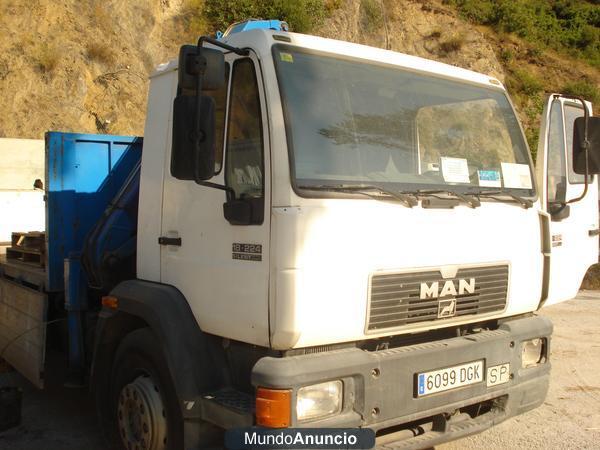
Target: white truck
(333, 235)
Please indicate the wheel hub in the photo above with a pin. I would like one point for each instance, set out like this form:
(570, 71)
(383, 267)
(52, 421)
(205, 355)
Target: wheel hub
(141, 416)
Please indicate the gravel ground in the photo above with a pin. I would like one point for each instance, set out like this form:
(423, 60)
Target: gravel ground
(570, 416)
(54, 418)
(63, 419)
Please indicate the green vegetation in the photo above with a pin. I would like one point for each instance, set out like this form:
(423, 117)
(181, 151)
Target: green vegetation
(521, 81)
(435, 34)
(301, 15)
(570, 26)
(47, 57)
(208, 16)
(452, 44)
(584, 89)
(100, 51)
(506, 56)
(372, 14)
(193, 18)
(527, 91)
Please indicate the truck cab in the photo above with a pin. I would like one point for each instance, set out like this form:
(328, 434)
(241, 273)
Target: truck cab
(320, 139)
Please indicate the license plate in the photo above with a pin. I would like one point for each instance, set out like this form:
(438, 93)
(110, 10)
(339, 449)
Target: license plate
(499, 374)
(449, 378)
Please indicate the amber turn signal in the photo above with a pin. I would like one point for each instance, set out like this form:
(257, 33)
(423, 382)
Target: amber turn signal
(110, 302)
(273, 407)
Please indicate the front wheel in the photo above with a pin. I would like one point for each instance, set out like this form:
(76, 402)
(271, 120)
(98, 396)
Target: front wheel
(144, 406)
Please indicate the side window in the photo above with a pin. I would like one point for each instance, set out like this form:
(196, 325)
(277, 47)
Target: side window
(557, 180)
(220, 98)
(244, 154)
(572, 113)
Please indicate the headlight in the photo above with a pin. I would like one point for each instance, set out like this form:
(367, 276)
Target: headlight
(319, 400)
(532, 352)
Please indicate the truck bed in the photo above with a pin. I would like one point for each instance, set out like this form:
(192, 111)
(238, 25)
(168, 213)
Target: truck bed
(21, 272)
(23, 313)
(83, 173)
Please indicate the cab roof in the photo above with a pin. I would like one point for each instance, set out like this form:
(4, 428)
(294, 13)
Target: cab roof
(262, 40)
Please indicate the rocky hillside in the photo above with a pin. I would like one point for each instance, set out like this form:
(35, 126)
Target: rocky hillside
(421, 28)
(82, 65)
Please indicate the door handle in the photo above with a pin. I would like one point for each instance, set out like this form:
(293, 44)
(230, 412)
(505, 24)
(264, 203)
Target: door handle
(594, 232)
(164, 240)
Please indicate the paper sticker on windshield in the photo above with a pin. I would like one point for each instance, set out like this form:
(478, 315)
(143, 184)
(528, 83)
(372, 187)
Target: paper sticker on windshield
(516, 176)
(490, 178)
(455, 170)
(286, 57)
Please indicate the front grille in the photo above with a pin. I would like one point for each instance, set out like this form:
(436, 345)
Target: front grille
(395, 298)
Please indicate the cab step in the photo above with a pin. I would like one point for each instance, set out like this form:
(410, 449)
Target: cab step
(228, 408)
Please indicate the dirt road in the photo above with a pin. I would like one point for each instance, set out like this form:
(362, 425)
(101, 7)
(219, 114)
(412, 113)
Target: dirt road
(61, 419)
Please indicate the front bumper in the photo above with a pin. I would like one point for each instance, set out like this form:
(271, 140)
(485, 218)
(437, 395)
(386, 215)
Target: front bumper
(379, 386)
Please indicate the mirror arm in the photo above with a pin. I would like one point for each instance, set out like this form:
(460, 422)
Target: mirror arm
(213, 41)
(560, 213)
(586, 144)
(221, 187)
(201, 68)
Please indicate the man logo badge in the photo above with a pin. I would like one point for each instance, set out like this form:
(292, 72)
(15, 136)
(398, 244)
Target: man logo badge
(446, 308)
(450, 287)
(445, 293)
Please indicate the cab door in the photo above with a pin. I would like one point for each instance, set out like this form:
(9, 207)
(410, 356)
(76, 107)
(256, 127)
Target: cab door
(573, 227)
(221, 268)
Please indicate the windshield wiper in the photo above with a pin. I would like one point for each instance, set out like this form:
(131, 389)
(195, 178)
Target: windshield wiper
(407, 199)
(524, 202)
(470, 200)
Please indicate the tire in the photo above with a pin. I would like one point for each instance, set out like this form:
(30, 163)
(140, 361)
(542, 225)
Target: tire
(143, 404)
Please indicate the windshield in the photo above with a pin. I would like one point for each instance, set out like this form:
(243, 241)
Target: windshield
(353, 122)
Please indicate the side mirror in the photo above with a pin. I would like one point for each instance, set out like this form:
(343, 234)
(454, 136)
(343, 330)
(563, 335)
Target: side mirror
(195, 62)
(238, 212)
(559, 211)
(244, 211)
(593, 145)
(193, 142)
